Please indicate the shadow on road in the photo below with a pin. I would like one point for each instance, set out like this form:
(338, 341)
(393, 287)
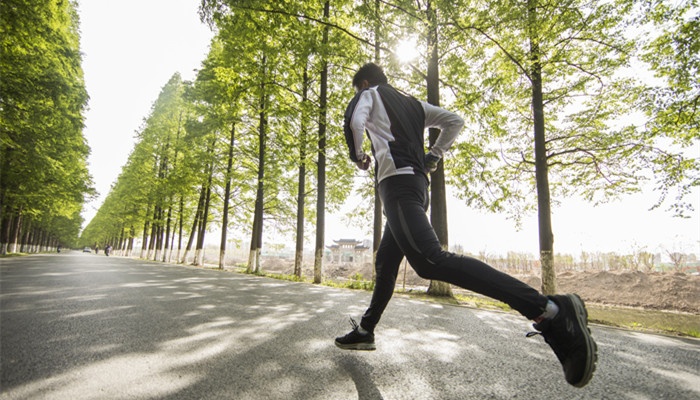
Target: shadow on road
(361, 374)
(80, 326)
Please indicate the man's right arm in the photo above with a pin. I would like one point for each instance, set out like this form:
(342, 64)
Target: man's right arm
(356, 116)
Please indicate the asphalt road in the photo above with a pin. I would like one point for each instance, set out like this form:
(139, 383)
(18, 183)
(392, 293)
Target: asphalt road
(82, 326)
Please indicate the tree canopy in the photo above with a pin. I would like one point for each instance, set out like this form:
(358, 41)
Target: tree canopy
(44, 179)
(549, 90)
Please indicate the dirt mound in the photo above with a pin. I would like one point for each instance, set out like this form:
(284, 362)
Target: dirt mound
(655, 290)
(660, 291)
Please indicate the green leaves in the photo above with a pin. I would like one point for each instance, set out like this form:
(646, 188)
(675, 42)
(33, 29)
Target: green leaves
(581, 51)
(672, 107)
(595, 145)
(42, 98)
(157, 171)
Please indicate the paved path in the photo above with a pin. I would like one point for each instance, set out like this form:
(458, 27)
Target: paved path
(82, 326)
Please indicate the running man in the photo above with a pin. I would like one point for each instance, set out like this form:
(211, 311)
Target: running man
(395, 126)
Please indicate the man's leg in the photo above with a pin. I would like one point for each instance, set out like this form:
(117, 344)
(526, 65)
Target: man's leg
(561, 319)
(404, 197)
(389, 257)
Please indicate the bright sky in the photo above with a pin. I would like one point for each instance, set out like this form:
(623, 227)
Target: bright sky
(132, 47)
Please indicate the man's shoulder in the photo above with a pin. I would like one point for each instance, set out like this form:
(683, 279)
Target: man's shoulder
(386, 89)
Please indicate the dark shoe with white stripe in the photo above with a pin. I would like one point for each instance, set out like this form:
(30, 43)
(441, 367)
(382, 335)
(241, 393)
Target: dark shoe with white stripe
(568, 335)
(356, 340)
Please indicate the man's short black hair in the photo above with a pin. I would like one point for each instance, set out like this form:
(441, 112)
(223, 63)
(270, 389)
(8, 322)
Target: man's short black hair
(370, 72)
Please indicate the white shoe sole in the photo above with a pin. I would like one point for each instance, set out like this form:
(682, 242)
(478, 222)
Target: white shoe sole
(591, 347)
(356, 346)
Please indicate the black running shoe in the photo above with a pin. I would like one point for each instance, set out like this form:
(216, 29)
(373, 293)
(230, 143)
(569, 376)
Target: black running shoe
(356, 340)
(568, 335)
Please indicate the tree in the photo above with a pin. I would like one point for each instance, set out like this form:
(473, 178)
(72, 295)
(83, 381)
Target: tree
(301, 189)
(260, 19)
(424, 19)
(43, 173)
(150, 180)
(438, 198)
(671, 47)
(321, 163)
(558, 137)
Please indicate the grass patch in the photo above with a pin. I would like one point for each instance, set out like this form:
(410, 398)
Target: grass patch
(673, 323)
(422, 295)
(8, 255)
(355, 282)
(242, 269)
(282, 277)
(482, 302)
(646, 320)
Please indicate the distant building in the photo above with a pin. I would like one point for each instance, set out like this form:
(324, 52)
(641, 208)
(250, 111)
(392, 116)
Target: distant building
(348, 251)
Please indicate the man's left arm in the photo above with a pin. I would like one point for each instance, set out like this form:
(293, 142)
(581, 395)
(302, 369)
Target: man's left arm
(449, 123)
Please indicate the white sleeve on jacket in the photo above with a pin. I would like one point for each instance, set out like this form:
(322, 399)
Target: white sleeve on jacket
(357, 123)
(449, 123)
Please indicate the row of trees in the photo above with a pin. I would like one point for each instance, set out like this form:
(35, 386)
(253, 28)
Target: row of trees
(552, 93)
(44, 179)
(638, 260)
(236, 141)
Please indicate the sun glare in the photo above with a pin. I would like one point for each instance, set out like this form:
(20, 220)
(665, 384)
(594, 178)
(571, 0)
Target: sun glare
(407, 50)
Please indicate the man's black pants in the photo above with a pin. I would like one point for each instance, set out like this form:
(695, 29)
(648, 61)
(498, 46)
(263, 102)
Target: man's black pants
(408, 233)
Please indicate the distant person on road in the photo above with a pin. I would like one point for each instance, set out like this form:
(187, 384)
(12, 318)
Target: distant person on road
(395, 125)
(108, 249)
(97, 249)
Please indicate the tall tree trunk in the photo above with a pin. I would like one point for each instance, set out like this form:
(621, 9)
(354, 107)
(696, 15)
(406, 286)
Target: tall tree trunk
(154, 233)
(172, 238)
(377, 238)
(438, 199)
(44, 241)
(30, 239)
(33, 240)
(321, 195)
(121, 242)
(39, 241)
(301, 188)
(12, 219)
(179, 236)
(24, 242)
(253, 254)
(158, 245)
(199, 254)
(14, 234)
(162, 172)
(159, 236)
(5, 233)
(145, 233)
(256, 236)
(131, 241)
(172, 245)
(544, 213)
(166, 247)
(195, 224)
(227, 196)
(5, 161)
